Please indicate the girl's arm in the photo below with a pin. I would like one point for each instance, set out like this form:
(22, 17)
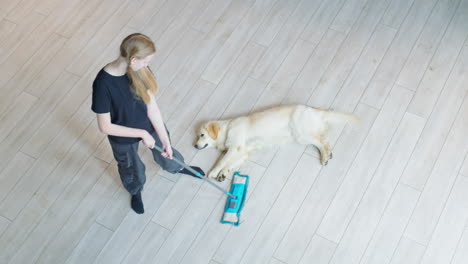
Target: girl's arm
(154, 115)
(106, 127)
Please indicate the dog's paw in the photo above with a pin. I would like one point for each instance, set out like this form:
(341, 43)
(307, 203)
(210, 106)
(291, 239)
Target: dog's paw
(324, 160)
(223, 174)
(221, 177)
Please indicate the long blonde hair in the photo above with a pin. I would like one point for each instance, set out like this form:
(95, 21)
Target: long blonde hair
(139, 46)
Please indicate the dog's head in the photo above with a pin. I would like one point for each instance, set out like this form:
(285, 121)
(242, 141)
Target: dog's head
(208, 135)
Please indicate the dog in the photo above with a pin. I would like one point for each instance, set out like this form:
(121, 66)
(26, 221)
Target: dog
(238, 137)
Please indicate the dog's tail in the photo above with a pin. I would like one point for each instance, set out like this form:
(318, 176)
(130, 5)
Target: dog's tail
(340, 117)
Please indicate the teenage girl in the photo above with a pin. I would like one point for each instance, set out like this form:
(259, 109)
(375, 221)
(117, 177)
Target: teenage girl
(124, 102)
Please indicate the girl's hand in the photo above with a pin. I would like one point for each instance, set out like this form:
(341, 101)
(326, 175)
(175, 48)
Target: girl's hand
(167, 151)
(148, 140)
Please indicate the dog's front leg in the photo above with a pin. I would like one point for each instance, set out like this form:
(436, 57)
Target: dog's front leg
(235, 162)
(233, 154)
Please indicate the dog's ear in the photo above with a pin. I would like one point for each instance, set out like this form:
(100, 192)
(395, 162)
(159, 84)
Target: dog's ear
(213, 129)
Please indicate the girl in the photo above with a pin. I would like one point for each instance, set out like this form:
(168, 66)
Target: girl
(124, 102)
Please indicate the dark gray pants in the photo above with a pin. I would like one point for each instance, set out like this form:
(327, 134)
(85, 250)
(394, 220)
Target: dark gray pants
(132, 169)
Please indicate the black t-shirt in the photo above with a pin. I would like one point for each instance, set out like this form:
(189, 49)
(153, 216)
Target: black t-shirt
(112, 94)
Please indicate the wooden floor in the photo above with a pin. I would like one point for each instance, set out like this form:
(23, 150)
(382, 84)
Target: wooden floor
(396, 190)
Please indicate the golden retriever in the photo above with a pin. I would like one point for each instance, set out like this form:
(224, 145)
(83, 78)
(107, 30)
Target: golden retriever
(278, 125)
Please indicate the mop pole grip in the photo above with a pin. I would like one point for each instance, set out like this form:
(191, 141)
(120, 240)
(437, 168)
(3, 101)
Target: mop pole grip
(196, 173)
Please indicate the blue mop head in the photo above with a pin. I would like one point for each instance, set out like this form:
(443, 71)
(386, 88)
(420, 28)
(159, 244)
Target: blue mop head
(234, 206)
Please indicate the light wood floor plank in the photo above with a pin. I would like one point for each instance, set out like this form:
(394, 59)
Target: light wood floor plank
(72, 49)
(30, 123)
(113, 214)
(13, 173)
(6, 28)
(60, 177)
(464, 168)
(371, 207)
(46, 7)
(388, 70)
(102, 38)
(90, 246)
(322, 192)
(85, 11)
(210, 15)
(27, 68)
(359, 175)
(244, 101)
(286, 38)
(21, 104)
(348, 14)
(427, 43)
(54, 153)
(226, 43)
(133, 225)
(148, 244)
(438, 126)
(319, 250)
(396, 13)
(74, 229)
(321, 20)
(408, 252)
(388, 235)
(166, 72)
(160, 21)
(346, 57)
(54, 219)
(176, 32)
(287, 73)
(451, 224)
(461, 255)
(440, 181)
(147, 10)
(442, 64)
(6, 6)
(356, 83)
(189, 73)
(281, 214)
(104, 151)
(10, 42)
(315, 67)
(37, 37)
(22, 10)
(236, 42)
(273, 22)
(192, 103)
(4, 223)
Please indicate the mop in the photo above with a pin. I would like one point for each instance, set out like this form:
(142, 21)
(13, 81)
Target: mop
(235, 197)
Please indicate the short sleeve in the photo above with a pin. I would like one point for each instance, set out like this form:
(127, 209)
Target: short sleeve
(101, 98)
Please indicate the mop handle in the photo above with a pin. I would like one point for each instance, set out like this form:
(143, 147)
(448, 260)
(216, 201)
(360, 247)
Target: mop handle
(197, 173)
